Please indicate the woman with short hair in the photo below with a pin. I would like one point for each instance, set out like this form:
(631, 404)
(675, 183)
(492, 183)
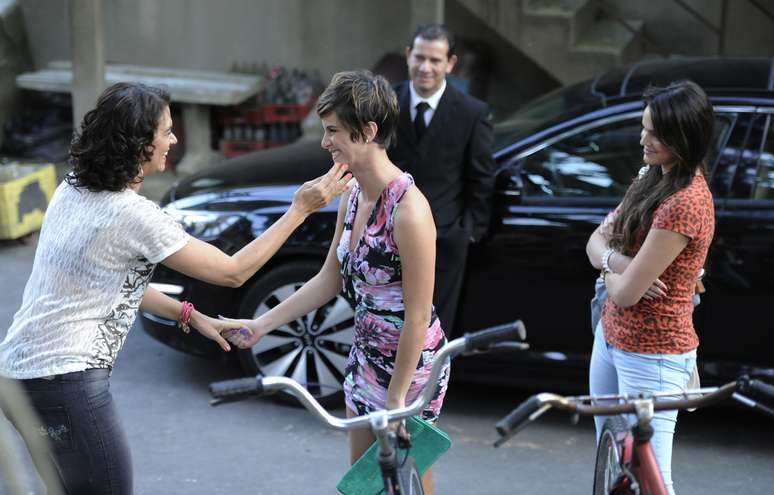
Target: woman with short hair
(382, 257)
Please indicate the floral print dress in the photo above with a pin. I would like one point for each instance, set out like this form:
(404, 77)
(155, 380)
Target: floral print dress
(372, 278)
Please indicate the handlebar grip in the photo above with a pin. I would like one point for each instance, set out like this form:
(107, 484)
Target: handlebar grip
(239, 388)
(518, 417)
(762, 389)
(483, 338)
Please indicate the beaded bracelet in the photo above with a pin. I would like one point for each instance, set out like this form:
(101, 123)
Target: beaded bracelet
(185, 317)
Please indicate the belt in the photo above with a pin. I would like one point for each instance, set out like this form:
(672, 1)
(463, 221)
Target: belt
(80, 375)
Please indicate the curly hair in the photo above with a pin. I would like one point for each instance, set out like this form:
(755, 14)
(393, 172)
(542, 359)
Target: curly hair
(359, 97)
(116, 137)
(683, 120)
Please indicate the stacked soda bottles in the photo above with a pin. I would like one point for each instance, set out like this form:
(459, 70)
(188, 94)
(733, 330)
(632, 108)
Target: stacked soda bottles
(273, 117)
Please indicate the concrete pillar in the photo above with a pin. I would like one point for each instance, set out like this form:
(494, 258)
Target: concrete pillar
(87, 48)
(198, 154)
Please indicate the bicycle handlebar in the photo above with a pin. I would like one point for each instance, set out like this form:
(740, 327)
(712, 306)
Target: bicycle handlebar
(485, 338)
(536, 405)
(760, 388)
(517, 418)
(237, 389)
(242, 388)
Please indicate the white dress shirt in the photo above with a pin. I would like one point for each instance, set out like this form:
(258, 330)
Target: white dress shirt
(432, 101)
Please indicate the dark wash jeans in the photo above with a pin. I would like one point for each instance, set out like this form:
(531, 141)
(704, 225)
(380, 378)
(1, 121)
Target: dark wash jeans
(88, 443)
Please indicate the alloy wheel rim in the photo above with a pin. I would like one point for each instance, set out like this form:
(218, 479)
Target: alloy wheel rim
(313, 349)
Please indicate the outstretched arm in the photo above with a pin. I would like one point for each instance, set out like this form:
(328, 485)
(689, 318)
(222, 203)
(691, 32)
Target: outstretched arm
(415, 237)
(162, 305)
(205, 262)
(317, 291)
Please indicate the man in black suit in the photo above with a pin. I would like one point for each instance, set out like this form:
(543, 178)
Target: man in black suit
(445, 142)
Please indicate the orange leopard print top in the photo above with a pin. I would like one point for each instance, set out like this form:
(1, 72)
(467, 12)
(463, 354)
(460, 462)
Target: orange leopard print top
(665, 326)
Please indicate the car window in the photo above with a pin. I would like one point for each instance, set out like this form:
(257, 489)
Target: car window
(597, 162)
(752, 178)
(764, 172)
(730, 155)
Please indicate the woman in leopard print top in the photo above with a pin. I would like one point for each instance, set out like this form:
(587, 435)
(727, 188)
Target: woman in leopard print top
(650, 252)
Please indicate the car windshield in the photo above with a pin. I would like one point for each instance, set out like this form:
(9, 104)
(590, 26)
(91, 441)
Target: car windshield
(541, 112)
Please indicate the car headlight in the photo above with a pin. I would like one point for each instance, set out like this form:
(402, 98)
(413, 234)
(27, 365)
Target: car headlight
(204, 225)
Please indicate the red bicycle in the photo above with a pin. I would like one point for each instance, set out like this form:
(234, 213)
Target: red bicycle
(625, 463)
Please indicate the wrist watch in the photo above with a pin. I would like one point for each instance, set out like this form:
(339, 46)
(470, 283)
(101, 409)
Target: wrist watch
(606, 260)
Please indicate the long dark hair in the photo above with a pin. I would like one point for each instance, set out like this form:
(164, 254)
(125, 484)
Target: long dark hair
(682, 119)
(116, 137)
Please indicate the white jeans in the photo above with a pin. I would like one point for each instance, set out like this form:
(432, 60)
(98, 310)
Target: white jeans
(614, 371)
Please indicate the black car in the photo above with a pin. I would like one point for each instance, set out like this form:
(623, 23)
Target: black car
(564, 161)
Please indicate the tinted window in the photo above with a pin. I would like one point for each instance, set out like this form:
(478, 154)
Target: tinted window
(730, 155)
(597, 162)
(752, 178)
(764, 175)
(541, 112)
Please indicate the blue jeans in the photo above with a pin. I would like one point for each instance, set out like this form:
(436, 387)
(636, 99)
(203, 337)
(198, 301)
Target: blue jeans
(89, 447)
(614, 371)
(600, 294)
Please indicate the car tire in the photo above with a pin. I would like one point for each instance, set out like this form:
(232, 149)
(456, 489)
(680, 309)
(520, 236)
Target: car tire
(313, 349)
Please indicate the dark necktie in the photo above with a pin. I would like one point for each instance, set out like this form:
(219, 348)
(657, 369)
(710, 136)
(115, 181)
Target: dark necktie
(419, 121)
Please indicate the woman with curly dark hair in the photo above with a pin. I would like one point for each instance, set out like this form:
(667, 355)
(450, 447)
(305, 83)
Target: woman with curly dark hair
(98, 246)
(651, 251)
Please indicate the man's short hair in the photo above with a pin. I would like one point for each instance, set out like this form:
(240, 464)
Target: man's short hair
(432, 32)
(359, 97)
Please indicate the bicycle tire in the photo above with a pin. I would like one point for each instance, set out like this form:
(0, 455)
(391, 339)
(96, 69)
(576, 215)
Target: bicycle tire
(409, 479)
(607, 467)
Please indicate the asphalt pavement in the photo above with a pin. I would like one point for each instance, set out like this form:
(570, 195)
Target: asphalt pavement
(181, 445)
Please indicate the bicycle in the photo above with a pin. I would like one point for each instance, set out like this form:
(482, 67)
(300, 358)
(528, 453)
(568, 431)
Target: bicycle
(625, 462)
(400, 475)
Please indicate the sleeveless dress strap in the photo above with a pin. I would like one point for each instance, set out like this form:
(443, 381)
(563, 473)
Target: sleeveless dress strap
(397, 189)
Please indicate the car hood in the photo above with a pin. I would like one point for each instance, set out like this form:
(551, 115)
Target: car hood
(292, 164)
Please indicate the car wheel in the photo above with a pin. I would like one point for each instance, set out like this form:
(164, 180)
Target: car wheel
(313, 349)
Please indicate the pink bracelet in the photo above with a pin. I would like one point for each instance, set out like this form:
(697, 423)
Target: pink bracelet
(185, 316)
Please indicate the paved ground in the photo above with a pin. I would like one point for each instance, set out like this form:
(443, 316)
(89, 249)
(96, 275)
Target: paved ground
(182, 446)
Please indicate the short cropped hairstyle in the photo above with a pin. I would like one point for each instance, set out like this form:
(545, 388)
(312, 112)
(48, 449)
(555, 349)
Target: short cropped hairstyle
(116, 137)
(360, 97)
(432, 32)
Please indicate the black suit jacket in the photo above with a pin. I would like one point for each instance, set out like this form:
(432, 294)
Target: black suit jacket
(452, 164)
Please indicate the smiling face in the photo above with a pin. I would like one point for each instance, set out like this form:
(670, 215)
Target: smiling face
(337, 141)
(654, 152)
(163, 140)
(428, 63)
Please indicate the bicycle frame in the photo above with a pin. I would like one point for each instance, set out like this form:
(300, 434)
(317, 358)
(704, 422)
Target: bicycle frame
(377, 421)
(644, 475)
(639, 472)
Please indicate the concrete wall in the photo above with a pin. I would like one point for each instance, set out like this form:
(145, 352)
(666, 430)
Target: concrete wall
(514, 79)
(14, 57)
(748, 31)
(326, 35)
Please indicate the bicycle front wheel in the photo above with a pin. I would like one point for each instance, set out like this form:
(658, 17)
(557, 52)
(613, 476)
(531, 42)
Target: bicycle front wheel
(607, 469)
(409, 479)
